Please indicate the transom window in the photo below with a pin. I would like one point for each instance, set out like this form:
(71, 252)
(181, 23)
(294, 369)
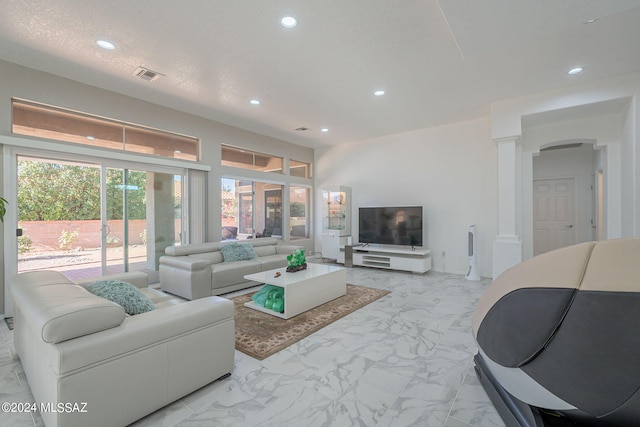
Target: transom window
(44, 121)
(247, 159)
(300, 169)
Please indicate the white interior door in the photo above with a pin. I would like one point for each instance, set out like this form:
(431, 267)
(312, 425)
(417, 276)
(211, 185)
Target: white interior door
(554, 214)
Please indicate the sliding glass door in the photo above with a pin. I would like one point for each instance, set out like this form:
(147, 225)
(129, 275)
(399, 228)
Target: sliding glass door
(90, 219)
(124, 226)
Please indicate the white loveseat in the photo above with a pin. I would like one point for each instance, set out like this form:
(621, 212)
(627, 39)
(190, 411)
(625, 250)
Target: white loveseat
(199, 270)
(77, 348)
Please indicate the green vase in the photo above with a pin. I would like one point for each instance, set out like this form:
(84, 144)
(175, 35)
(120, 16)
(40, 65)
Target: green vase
(270, 299)
(278, 305)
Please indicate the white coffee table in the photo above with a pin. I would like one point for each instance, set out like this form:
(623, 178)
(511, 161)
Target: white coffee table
(303, 290)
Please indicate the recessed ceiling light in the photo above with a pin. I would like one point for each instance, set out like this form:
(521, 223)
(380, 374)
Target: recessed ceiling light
(324, 130)
(590, 21)
(288, 22)
(378, 93)
(91, 137)
(105, 44)
(575, 70)
(254, 102)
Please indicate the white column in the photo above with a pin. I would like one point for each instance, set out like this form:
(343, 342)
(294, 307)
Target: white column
(196, 224)
(507, 248)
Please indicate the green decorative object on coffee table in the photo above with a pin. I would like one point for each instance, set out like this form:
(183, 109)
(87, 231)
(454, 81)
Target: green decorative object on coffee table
(297, 261)
(271, 297)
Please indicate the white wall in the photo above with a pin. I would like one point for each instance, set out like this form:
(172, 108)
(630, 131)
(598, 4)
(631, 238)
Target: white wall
(507, 114)
(450, 170)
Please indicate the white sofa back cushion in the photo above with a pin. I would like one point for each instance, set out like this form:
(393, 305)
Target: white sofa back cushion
(62, 311)
(199, 248)
(194, 248)
(265, 250)
(213, 257)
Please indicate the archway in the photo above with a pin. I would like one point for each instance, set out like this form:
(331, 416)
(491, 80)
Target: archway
(522, 128)
(565, 192)
(579, 145)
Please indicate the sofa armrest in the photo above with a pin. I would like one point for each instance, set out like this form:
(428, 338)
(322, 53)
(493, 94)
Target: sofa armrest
(184, 262)
(142, 331)
(185, 276)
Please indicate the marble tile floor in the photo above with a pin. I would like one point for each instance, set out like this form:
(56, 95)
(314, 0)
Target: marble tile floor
(404, 360)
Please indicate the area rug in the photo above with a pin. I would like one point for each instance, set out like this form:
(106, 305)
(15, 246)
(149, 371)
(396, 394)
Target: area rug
(260, 335)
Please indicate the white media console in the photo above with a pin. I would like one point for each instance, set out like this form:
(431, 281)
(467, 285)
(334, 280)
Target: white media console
(390, 257)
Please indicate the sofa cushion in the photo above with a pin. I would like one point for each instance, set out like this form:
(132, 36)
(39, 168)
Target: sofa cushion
(232, 273)
(264, 241)
(193, 248)
(122, 293)
(273, 261)
(212, 257)
(232, 252)
(265, 250)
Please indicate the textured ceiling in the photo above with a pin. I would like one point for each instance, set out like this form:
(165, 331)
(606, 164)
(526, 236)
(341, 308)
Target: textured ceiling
(438, 61)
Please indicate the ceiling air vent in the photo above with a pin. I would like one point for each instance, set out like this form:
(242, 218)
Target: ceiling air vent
(147, 74)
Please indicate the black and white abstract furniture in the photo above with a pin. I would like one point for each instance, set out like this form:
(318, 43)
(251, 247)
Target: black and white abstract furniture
(559, 337)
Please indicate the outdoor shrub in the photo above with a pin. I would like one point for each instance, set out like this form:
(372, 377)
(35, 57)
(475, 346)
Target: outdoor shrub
(24, 244)
(66, 239)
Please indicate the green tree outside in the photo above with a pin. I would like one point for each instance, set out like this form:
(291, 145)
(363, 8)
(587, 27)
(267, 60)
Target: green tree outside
(61, 192)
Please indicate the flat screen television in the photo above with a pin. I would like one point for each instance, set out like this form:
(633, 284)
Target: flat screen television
(388, 225)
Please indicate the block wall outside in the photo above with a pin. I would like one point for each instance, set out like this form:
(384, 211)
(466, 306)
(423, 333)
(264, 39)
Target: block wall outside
(47, 233)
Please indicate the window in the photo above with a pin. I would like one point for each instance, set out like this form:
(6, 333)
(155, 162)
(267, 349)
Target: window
(246, 159)
(44, 121)
(300, 169)
(253, 207)
(299, 219)
(250, 209)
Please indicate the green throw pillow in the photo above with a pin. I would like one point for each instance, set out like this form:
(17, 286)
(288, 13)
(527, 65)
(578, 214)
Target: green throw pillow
(237, 252)
(122, 293)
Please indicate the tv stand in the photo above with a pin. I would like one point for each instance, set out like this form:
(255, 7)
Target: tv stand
(392, 257)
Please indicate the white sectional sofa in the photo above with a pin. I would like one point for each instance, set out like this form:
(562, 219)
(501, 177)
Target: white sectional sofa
(82, 350)
(199, 270)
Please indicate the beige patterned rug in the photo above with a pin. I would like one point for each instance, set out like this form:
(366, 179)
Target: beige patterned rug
(260, 335)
